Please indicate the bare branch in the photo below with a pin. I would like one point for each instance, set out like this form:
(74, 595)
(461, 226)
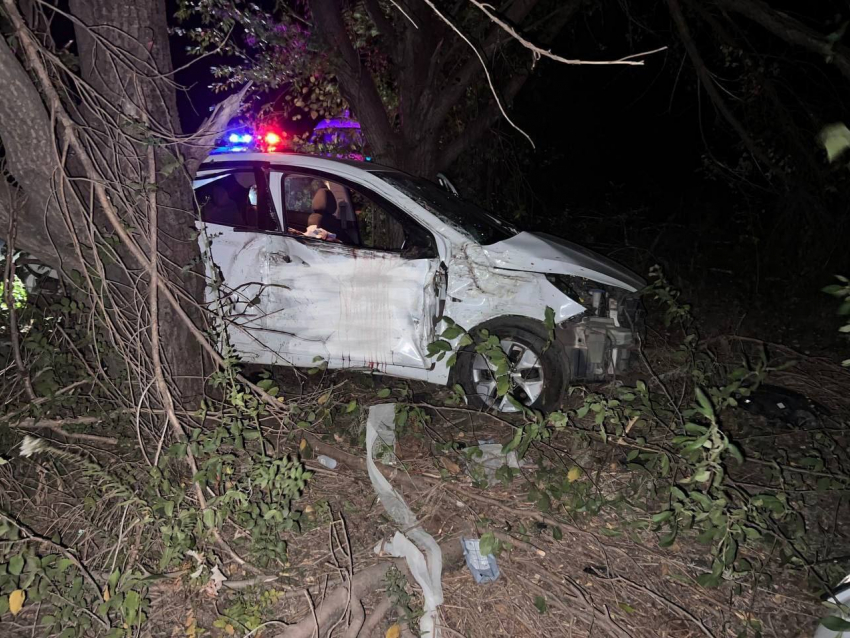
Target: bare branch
(538, 52)
(708, 82)
(475, 129)
(790, 30)
(461, 80)
(210, 131)
(484, 67)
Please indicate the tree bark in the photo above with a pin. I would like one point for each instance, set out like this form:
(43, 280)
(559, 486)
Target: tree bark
(125, 63)
(32, 160)
(356, 83)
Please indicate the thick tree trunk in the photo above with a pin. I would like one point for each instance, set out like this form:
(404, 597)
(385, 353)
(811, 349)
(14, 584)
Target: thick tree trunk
(125, 64)
(144, 89)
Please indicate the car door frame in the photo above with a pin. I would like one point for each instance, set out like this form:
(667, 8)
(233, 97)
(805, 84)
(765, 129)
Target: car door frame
(437, 243)
(244, 336)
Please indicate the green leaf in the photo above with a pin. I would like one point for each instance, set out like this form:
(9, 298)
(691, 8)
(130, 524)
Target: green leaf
(440, 345)
(667, 541)
(383, 393)
(694, 428)
(708, 580)
(612, 533)
(702, 476)
(209, 518)
(662, 516)
(626, 608)
(735, 452)
(704, 403)
(835, 138)
(487, 543)
(549, 318)
(834, 623)
(16, 565)
(514, 442)
(540, 603)
(557, 534)
(452, 332)
(351, 407)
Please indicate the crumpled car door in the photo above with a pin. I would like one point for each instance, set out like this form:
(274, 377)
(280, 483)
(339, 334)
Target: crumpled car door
(350, 307)
(234, 245)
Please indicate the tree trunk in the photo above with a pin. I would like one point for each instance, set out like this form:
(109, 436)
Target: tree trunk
(125, 65)
(140, 29)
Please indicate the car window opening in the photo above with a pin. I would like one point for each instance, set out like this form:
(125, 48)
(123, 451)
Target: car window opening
(485, 227)
(321, 209)
(237, 199)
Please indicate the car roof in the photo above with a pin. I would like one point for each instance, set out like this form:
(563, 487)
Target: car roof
(302, 160)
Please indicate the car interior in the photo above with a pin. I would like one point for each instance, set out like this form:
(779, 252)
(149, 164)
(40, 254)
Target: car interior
(341, 214)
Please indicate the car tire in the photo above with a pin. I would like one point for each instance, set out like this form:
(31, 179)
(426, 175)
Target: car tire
(540, 373)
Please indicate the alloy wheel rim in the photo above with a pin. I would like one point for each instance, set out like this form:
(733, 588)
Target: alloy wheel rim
(526, 377)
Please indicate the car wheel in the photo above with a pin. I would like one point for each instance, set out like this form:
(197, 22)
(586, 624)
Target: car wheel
(538, 369)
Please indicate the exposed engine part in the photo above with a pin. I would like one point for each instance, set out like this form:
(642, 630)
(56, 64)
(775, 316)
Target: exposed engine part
(599, 343)
(596, 347)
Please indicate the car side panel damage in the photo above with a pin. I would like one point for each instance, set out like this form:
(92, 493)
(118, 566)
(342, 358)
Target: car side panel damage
(326, 303)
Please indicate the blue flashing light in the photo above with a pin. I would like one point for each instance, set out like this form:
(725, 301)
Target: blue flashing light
(236, 138)
(368, 159)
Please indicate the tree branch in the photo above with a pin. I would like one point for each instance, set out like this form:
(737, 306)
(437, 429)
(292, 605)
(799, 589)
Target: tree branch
(708, 83)
(356, 82)
(475, 129)
(790, 30)
(472, 69)
(384, 24)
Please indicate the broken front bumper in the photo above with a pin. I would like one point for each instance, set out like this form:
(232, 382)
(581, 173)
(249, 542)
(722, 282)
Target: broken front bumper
(600, 343)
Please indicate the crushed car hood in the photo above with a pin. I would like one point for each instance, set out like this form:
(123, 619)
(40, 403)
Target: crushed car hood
(539, 252)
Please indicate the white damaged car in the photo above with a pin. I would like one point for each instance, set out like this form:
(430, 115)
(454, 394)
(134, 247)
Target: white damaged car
(356, 264)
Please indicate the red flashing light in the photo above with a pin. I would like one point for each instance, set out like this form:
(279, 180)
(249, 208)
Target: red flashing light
(272, 139)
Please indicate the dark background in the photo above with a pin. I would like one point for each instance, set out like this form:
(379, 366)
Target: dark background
(634, 161)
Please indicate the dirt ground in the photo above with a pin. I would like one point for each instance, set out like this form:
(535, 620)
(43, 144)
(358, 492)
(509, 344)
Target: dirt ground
(567, 573)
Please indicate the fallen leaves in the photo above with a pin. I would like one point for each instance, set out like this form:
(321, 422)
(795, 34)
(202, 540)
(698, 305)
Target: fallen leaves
(16, 601)
(393, 632)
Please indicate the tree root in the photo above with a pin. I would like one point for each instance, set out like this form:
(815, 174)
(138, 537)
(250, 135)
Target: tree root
(364, 583)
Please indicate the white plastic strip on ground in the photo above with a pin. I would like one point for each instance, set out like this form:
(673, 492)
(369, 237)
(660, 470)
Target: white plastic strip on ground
(426, 569)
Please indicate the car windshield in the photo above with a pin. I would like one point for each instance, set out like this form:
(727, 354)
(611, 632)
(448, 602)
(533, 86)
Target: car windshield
(484, 227)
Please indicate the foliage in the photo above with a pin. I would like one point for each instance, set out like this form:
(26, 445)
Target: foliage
(683, 462)
(248, 610)
(58, 581)
(841, 290)
(397, 591)
(251, 485)
(19, 294)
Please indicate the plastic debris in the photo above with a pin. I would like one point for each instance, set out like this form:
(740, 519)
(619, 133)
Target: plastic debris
(385, 445)
(491, 459)
(484, 569)
(426, 567)
(327, 461)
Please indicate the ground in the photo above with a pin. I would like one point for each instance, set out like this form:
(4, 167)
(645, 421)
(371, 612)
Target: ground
(568, 572)
(579, 532)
